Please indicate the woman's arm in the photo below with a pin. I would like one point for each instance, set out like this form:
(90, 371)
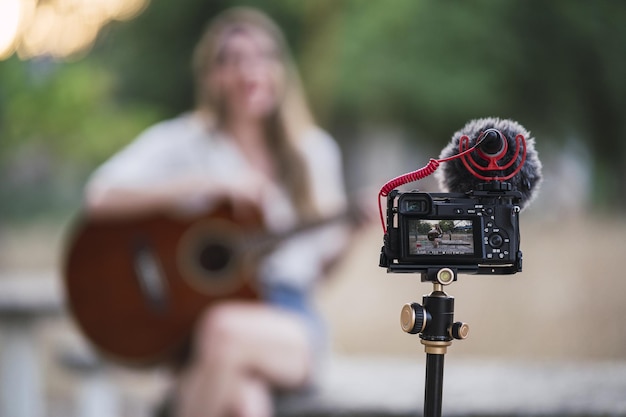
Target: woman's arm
(181, 195)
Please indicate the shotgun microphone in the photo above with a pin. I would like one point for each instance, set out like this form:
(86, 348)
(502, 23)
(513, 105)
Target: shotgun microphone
(504, 151)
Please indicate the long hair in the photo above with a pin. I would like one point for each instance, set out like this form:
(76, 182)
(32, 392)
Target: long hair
(292, 117)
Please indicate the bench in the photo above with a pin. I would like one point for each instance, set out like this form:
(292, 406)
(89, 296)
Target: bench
(24, 300)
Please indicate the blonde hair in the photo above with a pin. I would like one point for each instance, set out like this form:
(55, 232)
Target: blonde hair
(292, 118)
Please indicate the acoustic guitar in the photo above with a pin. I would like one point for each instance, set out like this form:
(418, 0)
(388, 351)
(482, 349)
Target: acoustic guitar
(137, 285)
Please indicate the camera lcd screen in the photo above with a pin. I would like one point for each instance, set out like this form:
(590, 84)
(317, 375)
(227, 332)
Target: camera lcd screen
(440, 237)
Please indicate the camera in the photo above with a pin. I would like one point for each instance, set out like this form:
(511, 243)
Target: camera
(475, 232)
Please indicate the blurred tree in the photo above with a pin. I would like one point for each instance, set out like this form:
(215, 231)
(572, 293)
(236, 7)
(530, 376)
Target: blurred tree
(423, 227)
(572, 79)
(56, 122)
(557, 67)
(66, 109)
(446, 225)
(427, 65)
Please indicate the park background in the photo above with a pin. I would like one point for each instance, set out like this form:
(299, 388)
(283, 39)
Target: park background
(391, 81)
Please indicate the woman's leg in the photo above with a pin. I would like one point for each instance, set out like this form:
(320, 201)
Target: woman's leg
(253, 398)
(242, 350)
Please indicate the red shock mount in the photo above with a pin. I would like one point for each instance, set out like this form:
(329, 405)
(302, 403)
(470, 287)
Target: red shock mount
(492, 160)
(465, 153)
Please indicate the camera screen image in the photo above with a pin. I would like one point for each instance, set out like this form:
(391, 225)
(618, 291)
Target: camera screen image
(440, 237)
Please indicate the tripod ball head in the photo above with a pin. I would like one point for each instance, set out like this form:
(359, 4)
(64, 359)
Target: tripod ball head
(433, 319)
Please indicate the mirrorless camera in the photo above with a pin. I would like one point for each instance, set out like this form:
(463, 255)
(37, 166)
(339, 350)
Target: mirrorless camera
(475, 232)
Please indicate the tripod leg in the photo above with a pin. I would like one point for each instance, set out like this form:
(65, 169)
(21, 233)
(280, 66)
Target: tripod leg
(434, 385)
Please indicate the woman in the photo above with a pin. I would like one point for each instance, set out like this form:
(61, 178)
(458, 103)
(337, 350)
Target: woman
(250, 139)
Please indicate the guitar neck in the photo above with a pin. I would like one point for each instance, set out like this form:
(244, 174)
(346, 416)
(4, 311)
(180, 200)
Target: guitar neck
(265, 243)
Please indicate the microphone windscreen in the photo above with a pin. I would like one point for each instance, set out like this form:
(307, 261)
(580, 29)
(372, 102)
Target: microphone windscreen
(453, 176)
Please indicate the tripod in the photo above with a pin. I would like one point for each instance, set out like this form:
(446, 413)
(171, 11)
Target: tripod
(434, 322)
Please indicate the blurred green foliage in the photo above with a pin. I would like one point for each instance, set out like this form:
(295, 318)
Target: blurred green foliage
(67, 109)
(57, 121)
(427, 66)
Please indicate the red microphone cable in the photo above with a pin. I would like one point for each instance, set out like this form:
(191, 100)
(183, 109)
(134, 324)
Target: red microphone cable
(419, 174)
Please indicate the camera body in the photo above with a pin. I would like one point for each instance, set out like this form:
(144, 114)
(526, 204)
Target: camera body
(473, 233)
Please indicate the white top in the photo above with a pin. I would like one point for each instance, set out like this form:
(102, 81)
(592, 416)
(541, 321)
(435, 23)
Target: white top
(183, 147)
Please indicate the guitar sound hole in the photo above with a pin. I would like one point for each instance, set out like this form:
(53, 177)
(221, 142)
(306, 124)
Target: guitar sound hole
(214, 257)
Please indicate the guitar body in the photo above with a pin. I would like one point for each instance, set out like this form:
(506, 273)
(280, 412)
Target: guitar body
(137, 286)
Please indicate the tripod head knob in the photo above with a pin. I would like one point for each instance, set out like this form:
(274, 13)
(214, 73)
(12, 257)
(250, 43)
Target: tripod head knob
(459, 330)
(413, 318)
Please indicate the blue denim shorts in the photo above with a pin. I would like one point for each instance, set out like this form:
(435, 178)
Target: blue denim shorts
(299, 302)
